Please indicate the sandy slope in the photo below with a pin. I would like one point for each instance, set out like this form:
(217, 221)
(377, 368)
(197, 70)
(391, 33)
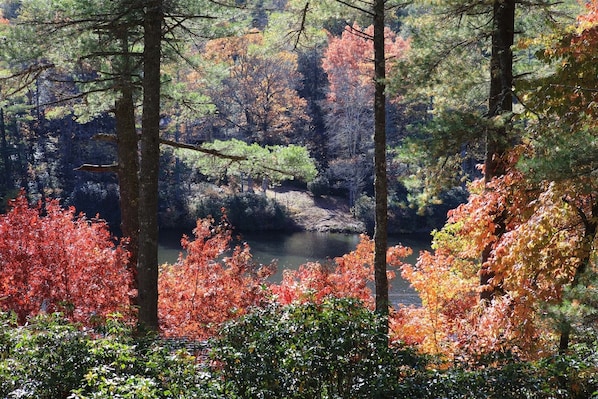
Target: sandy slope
(326, 213)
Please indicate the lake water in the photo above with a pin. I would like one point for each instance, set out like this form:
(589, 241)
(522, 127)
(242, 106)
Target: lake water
(294, 249)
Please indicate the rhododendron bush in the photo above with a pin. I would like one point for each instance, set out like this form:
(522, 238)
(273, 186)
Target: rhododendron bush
(54, 260)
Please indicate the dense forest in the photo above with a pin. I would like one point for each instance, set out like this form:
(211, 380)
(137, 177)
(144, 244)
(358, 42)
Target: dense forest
(255, 88)
(473, 120)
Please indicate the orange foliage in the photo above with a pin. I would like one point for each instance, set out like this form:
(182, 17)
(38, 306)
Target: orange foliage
(537, 254)
(53, 260)
(259, 94)
(571, 90)
(447, 294)
(205, 288)
(591, 18)
(229, 49)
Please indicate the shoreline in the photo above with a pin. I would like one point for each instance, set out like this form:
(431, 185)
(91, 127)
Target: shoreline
(322, 214)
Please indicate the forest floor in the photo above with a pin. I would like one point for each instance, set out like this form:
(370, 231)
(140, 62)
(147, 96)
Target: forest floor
(326, 213)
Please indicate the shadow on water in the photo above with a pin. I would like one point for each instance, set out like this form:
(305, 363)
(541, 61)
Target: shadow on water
(291, 250)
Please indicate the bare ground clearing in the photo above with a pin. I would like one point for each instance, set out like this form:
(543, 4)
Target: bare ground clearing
(326, 213)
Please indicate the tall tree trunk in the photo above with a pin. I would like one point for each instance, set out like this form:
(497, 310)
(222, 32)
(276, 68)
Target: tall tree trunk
(380, 180)
(500, 101)
(147, 266)
(590, 231)
(128, 155)
(128, 166)
(7, 183)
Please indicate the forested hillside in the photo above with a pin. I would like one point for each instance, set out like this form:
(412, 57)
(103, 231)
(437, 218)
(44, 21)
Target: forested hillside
(473, 120)
(259, 87)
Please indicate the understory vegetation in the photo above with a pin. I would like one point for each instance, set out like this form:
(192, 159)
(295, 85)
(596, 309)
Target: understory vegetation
(227, 331)
(328, 350)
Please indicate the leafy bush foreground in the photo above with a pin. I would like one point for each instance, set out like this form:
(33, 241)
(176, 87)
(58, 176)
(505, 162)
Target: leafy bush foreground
(327, 350)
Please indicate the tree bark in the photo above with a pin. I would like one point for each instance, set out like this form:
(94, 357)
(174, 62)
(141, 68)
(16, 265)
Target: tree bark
(147, 266)
(500, 101)
(380, 179)
(7, 183)
(128, 166)
(128, 154)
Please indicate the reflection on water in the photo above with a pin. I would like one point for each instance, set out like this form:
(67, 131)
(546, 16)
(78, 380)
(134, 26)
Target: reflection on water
(291, 250)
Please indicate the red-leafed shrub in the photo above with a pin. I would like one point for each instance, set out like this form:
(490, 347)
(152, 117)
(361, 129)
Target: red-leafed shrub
(54, 260)
(351, 276)
(205, 288)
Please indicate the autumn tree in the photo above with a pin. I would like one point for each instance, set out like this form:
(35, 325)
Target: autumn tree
(376, 12)
(535, 259)
(543, 249)
(347, 276)
(112, 44)
(347, 62)
(211, 284)
(255, 93)
(562, 109)
(55, 260)
(450, 43)
(104, 60)
(215, 282)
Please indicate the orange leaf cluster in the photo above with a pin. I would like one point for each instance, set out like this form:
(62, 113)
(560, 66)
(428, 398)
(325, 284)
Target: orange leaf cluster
(591, 18)
(347, 277)
(540, 247)
(53, 260)
(206, 288)
(259, 93)
(571, 91)
(447, 295)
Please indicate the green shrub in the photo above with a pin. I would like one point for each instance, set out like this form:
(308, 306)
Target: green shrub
(245, 211)
(319, 186)
(327, 350)
(46, 359)
(560, 377)
(51, 359)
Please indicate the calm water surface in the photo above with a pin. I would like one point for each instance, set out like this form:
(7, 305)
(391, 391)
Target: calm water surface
(291, 250)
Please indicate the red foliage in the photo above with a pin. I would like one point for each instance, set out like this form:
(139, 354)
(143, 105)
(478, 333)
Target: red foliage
(350, 276)
(205, 289)
(591, 18)
(349, 62)
(53, 260)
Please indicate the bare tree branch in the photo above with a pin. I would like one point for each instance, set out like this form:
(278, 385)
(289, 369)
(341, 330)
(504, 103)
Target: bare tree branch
(97, 168)
(302, 26)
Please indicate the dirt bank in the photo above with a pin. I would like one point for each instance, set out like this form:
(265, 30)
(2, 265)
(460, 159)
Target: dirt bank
(326, 213)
